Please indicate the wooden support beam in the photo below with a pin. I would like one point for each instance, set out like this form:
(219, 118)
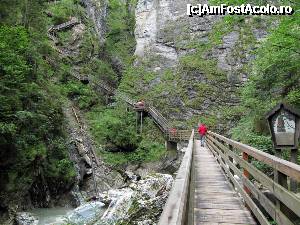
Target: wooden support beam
(294, 158)
(246, 173)
(171, 145)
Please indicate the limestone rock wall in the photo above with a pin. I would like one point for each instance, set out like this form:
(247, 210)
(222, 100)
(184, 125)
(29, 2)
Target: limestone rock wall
(165, 35)
(97, 11)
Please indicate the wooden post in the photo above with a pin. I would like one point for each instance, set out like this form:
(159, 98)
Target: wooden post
(294, 183)
(279, 178)
(171, 145)
(222, 160)
(106, 99)
(137, 122)
(245, 172)
(141, 122)
(230, 159)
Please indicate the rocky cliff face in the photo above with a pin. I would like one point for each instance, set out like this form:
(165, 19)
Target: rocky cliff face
(156, 31)
(97, 11)
(206, 72)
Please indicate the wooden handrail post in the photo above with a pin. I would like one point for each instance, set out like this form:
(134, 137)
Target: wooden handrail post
(141, 122)
(137, 122)
(294, 183)
(221, 158)
(246, 173)
(230, 158)
(279, 178)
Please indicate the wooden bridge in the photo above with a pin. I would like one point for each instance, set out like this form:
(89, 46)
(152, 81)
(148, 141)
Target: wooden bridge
(219, 184)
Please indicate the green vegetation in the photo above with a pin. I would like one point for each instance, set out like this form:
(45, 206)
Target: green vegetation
(115, 131)
(275, 76)
(32, 139)
(36, 82)
(84, 96)
(120, 41)
(63, 10)
(115, 127)
(148, 151)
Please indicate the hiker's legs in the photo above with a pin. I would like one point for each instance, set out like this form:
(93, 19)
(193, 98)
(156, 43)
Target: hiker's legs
(202, 140)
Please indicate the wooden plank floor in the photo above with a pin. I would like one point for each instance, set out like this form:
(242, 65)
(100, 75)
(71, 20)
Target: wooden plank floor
(215, 201)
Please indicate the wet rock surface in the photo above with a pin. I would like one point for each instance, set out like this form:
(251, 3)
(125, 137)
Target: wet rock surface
(86, 213)
(97, 11)
(26, 218)
(140, 203)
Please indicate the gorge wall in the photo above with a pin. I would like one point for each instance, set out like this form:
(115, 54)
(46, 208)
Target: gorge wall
(192, 66)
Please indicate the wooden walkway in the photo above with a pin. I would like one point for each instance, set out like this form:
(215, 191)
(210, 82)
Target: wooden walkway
(215, 201)
(170, 134)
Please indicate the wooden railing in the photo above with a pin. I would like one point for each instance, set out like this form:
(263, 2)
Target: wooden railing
(171, 134)
(175, 209)
(52, 37)
(74, 21)
(178, 135)
(267, 198)
(158, 118)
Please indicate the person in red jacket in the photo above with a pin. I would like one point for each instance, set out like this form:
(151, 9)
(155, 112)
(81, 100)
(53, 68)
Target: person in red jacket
(202, 130)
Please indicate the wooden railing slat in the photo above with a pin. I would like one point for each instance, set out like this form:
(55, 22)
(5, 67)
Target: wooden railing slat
(286, 167)
(264, 201)
(285, 196)
(259, 215)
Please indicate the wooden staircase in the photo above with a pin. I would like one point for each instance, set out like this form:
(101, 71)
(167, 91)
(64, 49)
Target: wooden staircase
(170, 132)
(72, 22)
(52, 30)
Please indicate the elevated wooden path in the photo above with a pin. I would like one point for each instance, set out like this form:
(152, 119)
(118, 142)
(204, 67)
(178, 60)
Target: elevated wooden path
(171, 134)
(218, 184)
(72, 22)
(53, 29)
(215, 201)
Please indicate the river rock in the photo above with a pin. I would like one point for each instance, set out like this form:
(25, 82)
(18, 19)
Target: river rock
(140, 203)
(26, 218)
(121, 201)
(151, 186)
(86, 213)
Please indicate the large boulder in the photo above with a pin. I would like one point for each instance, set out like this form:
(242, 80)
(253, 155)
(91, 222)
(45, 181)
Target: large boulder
(140, 203)
(120, 203)
(86, 213)
(26, 218)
